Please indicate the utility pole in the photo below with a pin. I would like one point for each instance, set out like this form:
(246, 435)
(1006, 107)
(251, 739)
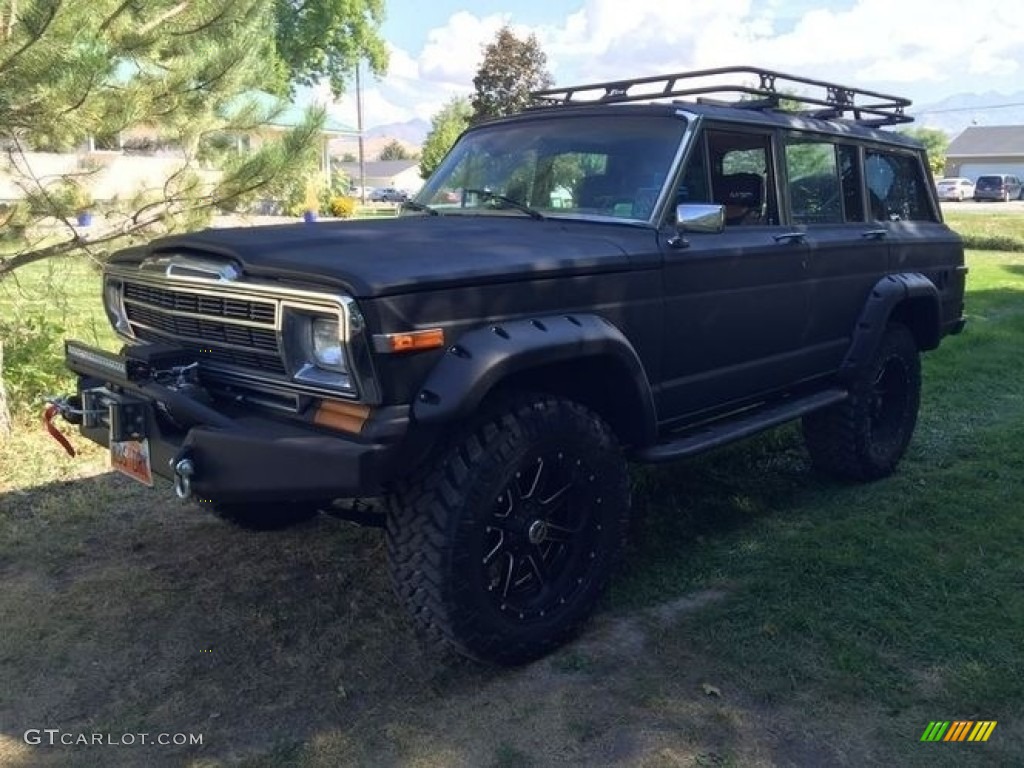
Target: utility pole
(359, 127)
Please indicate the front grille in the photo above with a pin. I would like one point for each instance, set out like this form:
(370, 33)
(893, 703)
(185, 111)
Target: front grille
(256, 311)
(233, 331)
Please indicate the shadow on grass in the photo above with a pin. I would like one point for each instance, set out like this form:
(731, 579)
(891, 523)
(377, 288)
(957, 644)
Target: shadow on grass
(128, 612)
(124, 610)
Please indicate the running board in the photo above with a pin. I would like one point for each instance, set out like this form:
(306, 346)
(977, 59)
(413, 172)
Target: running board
(736, 428)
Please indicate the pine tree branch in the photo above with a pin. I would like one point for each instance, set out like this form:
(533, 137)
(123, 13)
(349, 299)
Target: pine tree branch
(165, 16)
(34, 37)
(114, 16)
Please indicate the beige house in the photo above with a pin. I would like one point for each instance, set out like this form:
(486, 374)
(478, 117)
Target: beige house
(400, 174)
(984, 149)
(137, 159)
(285, 117)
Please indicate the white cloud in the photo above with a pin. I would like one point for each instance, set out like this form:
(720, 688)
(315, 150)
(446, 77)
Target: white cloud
(453, 52)
(921, 46)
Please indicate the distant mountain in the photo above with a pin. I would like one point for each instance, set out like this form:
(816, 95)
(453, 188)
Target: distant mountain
(955, 113)
(410, 132)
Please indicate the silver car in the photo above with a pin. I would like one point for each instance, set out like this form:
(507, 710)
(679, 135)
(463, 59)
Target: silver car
(957, 189)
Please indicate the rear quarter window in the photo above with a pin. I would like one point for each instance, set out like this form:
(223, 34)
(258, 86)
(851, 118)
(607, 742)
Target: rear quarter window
(896, 187)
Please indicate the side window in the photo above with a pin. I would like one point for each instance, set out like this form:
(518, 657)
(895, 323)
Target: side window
(896, 187)
(694, 186)
(824, 182)
(741, 176)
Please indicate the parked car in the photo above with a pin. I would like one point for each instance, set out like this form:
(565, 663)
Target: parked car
(1002, 187)
(388, 195)
(706, 271)
(956, 189)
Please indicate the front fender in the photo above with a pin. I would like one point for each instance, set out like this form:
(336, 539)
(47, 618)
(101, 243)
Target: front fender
(482, 358)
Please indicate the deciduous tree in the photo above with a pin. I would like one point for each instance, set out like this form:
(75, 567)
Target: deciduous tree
(510, 70)
(394, 150)
(326, 39)
(936, 142)
(445, 128)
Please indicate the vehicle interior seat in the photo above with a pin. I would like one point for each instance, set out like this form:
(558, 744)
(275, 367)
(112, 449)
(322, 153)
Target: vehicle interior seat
(596, 191)
(742, 195)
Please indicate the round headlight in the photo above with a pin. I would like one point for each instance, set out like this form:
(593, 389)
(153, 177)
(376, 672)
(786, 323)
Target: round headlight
(326, 343)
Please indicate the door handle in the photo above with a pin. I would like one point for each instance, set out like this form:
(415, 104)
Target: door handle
(875, 234)
(790, 237)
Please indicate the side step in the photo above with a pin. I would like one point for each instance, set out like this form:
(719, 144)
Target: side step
(746, 423)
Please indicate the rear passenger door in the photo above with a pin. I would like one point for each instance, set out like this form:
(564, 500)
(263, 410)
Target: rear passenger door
(847, 253)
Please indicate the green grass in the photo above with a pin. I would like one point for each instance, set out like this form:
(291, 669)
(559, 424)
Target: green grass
(902, 597)
(999, 231)
(766, 616)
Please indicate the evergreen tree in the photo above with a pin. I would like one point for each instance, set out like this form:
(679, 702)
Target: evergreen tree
(74, 69)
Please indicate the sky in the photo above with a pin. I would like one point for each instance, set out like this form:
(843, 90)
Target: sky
(922, 49)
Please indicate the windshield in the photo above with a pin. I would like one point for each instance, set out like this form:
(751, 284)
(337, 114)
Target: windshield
(565, 165)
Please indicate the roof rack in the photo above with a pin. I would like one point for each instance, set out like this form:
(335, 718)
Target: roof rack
(826, 100)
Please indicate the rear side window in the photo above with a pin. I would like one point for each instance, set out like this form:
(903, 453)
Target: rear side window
(896, 187)
(824, 182)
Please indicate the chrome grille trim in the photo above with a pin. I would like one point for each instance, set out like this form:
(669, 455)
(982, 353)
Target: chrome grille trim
(262, 365)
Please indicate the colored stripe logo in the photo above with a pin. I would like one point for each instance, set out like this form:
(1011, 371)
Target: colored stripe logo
(958, 730)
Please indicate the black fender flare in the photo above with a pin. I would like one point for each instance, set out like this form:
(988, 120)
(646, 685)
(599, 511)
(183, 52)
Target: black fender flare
(885, 297)
(484, 357)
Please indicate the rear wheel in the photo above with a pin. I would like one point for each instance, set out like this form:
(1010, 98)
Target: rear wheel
(865, 436)
(503, 544)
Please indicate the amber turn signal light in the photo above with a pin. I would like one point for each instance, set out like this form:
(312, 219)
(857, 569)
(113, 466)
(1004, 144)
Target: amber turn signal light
(431, 338)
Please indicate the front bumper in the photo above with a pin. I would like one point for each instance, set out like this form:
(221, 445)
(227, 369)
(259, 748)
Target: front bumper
(237, 454)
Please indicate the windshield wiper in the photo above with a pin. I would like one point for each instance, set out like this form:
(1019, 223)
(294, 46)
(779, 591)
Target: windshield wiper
(412, 205)
(510, 202)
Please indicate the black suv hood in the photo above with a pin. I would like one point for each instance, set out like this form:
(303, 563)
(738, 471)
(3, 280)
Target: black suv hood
(414, 253)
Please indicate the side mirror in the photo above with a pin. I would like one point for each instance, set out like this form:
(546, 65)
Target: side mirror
(700, 217)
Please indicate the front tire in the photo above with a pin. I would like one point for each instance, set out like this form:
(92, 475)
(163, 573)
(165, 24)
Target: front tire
(865, 436)
(502, 545)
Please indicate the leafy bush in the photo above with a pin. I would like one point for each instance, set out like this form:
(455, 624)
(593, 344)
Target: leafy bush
(33, 364)
(343, 207)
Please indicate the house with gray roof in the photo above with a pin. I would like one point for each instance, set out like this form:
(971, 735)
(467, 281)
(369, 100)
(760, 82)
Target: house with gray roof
(983, 149)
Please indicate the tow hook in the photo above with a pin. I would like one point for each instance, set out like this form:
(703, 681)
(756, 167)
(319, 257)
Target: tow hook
(68, 410)
(183, 471)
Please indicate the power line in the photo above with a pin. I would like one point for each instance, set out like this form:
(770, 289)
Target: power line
(969, 109)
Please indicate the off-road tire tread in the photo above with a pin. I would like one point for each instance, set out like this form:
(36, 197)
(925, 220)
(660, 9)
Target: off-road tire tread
(421, 510)
(837, 438)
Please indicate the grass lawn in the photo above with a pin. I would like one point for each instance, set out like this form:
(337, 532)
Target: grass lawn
(766, 616)
(1001, 229)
